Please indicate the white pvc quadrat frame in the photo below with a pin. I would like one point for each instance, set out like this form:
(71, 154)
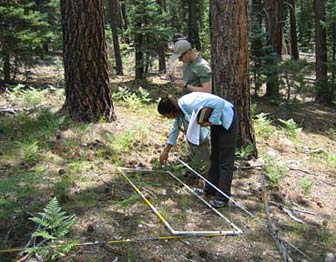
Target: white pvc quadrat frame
(235, 232)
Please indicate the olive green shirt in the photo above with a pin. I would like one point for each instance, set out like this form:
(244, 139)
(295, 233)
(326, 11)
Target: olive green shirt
(197, 72)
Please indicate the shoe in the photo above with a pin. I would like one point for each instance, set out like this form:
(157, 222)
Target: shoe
(218, 203)
(199, 191)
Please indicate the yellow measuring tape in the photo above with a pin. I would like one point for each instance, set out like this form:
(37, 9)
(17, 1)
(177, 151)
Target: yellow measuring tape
(120, 241)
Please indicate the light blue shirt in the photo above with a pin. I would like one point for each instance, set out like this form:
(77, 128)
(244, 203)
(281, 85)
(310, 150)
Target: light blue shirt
(222, 113)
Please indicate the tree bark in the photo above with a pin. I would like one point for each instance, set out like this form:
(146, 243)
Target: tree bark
(124, 15)
(322, 93)
(293, 36)
(272, 85)
(257, 43)
(113, 6)
(6, 68)
(333, 59)
(280, 22)
(230, 60)
(139, 58)
(88, 97)
(162, 45)
(193, 28)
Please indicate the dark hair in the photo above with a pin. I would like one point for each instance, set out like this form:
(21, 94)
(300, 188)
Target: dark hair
(168, 104)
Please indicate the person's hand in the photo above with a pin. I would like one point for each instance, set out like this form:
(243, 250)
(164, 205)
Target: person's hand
(180, 83)
(164, 157)
(167, 77)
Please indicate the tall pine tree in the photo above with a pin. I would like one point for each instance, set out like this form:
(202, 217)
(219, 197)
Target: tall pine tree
(23, 32)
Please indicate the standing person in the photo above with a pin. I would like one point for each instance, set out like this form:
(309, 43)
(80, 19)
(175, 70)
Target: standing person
(196, 78)
(196, 70)
(223, 123)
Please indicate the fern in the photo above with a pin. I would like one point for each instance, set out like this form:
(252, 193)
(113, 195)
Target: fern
(53, 225)
(290, 127)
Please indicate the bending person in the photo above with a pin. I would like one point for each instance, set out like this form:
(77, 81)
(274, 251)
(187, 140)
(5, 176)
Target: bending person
(223, 123)
(196, 78)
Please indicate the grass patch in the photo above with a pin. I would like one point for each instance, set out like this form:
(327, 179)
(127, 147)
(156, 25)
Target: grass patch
(16, 189)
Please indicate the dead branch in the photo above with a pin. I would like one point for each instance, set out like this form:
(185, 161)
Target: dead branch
(310, 173)
(315, 151)
(291, 215)
(272, 230)
(250, 167)
(299, 169)
(300, 210)
(8, 110)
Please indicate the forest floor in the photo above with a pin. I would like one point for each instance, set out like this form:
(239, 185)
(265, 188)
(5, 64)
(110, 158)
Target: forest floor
(79, 165)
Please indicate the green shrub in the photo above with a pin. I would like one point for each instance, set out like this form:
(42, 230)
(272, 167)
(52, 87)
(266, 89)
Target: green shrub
(275, 171)
(306, 185)
(30, 150)
(30, 97)
(244, 153)
(53, 225)
(263, 127)
(290, 127)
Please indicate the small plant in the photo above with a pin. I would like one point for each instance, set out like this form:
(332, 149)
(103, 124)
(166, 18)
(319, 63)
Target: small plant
(290, 127)
(328, 158)
(306, 185)
(29, 149)
(274, 170)
(133, 102)
(199, 165)
(254, 109)
(121, 94)
(263, 126)
(244, 153)
(129, 201)
(30, 97)
(53, 225)
(142, 134)
(144, 95)
(122, 142)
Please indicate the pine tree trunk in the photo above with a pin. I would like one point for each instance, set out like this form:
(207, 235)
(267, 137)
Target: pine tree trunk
(333, 59)
(280, 22)
(162, 45)
(138, 44)
(113, 6)
(256, 43)
(322, 93)
(88, 96)
(293, 37)
(230, 60)
(139, 58)
(272, 84)
(6, 68)
(124, 15)
(305, 25)
(193, 25)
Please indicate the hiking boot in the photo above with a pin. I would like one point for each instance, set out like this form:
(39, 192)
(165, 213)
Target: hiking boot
(218, 203)
(201, 192)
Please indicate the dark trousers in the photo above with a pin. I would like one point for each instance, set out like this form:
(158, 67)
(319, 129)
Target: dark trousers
(223, 147)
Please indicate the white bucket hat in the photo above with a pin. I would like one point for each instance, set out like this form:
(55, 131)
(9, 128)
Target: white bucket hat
(180, 47)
